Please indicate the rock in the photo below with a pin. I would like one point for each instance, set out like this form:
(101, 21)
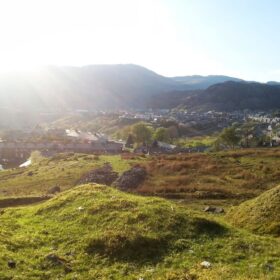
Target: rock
(80, 208)
(103, 175)
(205, 264)
(67, 269)
(131, 179)
(12, 264)
(211, 209)
(219, 210)
(54, 190)
(268, 266)
(55, 259)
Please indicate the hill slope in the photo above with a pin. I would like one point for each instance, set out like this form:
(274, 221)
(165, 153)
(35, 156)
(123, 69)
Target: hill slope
(88, 87)
(203, 82)
(260, 215)
(96, 232)
(228, 96)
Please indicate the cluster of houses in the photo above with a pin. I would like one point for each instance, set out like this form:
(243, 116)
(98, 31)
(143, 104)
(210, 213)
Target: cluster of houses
(78, 141)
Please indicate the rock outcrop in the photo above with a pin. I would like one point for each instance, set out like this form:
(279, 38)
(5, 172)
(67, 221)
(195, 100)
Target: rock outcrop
(103, 175)
(131, 179)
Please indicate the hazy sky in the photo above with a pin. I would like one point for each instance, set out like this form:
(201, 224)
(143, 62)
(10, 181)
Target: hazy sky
(172, 37)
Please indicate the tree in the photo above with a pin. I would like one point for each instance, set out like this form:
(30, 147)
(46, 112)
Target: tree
(142, 133)
(230, 136)
(130, 141)
(248, 133)
(162, 134)
(173, 132)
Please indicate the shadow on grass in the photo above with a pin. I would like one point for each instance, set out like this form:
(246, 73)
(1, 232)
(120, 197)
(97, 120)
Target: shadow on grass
(130, 248)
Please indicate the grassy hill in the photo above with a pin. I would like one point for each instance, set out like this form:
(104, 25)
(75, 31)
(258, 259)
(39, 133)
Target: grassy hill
(97, 232)
(260, 215)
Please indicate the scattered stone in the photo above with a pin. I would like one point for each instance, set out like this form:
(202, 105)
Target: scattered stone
(12, 264)
(268, 266)
(131, 179)
(205, 264)
(67, 269)
(103, 175)
(55, 259)
(219, 210)
(211, 209)
(80, 208)
(54, 190)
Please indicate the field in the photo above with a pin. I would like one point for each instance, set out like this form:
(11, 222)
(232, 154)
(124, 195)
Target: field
(98, 232)
(224, 175)
(227, 177)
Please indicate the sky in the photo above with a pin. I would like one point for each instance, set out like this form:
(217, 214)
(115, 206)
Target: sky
(238, 38)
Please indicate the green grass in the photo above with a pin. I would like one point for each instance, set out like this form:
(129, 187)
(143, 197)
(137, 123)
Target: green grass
(196, 141)
(123, 236)
(62, 170)
(260, 215)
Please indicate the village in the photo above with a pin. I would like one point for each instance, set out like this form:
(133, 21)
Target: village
(17, 146)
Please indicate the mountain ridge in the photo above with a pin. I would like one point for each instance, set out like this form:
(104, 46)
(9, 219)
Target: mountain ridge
(123, 86)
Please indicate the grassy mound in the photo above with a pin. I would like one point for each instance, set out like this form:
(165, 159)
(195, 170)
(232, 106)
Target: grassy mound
(260, 215)
(121, 226)
(97, 232)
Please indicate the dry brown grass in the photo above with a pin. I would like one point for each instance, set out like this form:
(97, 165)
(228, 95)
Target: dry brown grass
(241, 173)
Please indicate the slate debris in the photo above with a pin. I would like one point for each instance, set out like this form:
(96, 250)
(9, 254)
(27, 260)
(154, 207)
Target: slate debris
(54, 190)
(216, 210)
(12, 264)
(131, 179)
(103, 175)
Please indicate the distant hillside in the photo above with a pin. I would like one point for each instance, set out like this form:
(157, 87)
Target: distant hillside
(228, 96)
(273, 83)
(89, 87)
(203, 82)
(27, 98)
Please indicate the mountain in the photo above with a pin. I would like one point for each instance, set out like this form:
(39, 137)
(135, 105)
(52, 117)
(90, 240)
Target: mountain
(203, 82)
(231, 96)
(228, 96)
(123, 86)
(273, 83)
(89, 87)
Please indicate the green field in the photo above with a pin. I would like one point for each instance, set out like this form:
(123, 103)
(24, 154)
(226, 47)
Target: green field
(98, 232)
